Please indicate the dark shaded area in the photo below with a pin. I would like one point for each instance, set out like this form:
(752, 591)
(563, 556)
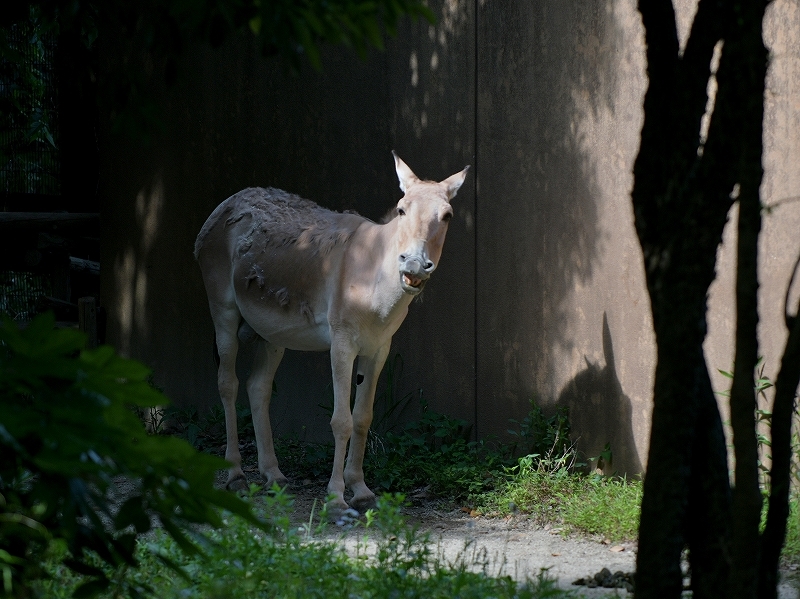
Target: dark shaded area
(599, 408)
(78, 123)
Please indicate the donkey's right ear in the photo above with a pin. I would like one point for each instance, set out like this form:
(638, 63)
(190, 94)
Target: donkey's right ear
(404, 174)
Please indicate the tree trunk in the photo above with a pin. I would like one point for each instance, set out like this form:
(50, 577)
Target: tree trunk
(747, 55)
(681, 196)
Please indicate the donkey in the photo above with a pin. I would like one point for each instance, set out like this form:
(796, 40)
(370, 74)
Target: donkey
(286, 273)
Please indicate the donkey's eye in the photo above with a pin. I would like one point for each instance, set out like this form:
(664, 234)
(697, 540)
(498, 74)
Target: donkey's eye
(401, 212)
(447, 216)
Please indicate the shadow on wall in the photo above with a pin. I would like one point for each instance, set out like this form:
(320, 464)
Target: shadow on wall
(548, 77)
(600, 409)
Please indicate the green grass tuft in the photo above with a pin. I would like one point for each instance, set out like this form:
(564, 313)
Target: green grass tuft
(595, 505)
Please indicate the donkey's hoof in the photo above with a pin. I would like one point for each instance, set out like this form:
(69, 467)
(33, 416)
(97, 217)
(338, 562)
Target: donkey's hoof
(237, 484)
(344, 517)
(362, 504)
(337, 511)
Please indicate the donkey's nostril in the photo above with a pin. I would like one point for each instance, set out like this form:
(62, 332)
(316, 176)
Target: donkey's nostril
(402, 257)
(429, 265)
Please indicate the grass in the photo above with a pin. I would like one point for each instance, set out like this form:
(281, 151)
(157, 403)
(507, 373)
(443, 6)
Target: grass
(606, 507)
(791, 546)
(298, 562)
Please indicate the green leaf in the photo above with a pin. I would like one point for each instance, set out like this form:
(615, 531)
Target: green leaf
(83, 568)
(91, 588)
(132, 513)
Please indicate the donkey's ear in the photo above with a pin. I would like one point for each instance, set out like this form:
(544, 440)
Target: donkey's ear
(453, 182)
(404, 174)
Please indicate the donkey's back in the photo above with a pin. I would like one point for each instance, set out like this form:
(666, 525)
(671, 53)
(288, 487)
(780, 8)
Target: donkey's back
(274, 258)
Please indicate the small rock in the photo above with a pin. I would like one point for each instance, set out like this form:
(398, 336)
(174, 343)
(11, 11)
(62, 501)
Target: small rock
(602, 575)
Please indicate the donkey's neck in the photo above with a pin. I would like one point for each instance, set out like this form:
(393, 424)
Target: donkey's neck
(389, 301)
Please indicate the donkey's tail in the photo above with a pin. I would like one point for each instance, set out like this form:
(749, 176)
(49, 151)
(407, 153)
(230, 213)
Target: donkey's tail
(216, 350)
(246, 334)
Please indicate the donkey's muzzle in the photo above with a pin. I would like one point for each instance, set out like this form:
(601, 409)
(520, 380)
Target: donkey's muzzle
(414, 272)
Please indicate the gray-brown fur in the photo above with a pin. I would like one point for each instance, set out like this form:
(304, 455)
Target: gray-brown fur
(279, 219)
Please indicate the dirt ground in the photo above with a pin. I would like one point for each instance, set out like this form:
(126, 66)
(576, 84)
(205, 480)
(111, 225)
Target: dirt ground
(515, 546)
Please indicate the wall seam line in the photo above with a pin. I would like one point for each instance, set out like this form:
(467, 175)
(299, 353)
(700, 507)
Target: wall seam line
(475, 221)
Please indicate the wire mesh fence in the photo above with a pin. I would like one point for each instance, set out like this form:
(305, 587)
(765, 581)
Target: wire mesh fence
(20, 292)
(29, 159)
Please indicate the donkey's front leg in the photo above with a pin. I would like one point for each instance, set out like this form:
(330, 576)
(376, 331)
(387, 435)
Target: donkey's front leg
(343, 354)
(370, 369)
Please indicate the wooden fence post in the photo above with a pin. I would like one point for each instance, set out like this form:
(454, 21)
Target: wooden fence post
(87, 320)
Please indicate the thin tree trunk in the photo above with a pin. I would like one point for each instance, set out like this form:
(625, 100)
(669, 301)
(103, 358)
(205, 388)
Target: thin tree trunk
(707, 531)
(746, 509)
(748, 56)
(780, 475)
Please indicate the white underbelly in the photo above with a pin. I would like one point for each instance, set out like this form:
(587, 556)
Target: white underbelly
(295, 332)
(306, 339)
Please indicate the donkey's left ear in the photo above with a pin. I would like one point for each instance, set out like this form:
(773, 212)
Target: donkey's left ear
(453, 182)
(404, 174)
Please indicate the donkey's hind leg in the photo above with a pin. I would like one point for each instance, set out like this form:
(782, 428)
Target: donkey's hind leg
(259, 390)
(226, 323)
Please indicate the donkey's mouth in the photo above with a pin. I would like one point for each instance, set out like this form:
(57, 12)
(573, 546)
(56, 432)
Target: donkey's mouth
(411, 283)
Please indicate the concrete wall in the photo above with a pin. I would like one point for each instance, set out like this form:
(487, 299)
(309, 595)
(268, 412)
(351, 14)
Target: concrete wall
(540, 294)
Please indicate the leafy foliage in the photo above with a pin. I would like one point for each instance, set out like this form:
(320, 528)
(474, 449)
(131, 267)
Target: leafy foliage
(292, 28)
(67, 435)
(542, 436)
(156, 33)
(434, 452)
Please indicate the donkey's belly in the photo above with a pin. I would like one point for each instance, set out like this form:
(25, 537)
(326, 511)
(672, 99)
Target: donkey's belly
(287, 328)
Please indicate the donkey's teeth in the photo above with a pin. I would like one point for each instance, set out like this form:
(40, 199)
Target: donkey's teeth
(412, 281)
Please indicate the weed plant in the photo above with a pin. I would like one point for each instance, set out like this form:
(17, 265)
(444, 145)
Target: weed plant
(607, 507)
(791, 547)
(434, 452)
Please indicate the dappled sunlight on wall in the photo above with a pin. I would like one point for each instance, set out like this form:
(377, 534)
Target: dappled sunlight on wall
(131, 267)
(431, 94)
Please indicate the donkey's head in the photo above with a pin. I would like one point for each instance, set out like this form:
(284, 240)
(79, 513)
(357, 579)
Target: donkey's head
(423, 214)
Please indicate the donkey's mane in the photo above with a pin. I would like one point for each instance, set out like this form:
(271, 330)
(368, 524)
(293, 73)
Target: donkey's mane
(279, 218)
